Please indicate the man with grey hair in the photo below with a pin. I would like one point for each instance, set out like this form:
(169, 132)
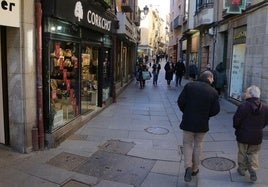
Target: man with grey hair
(249, 120)
(198, 102)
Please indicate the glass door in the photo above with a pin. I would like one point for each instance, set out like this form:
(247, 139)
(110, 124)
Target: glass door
(89, 78)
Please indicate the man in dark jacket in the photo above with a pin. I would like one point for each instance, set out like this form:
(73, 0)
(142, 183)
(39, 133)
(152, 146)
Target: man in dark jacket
(249, 120)
(179, 70)
(169, 68)
(198, 102)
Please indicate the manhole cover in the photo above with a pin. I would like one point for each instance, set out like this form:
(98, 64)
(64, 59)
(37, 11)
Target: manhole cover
(117, 146)
(157, 130)
(116, 167)
(67, 160)
(218, 164)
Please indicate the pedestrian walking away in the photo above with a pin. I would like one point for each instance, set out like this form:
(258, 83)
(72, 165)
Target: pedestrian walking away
(156, 68)
(220, 78)
(192, 70)
(169, 68)
(198, 102)
(142, 67)
(249, 120)
(179, 71)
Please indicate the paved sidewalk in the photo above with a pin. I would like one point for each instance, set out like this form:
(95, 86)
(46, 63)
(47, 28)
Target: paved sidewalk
(134, 142)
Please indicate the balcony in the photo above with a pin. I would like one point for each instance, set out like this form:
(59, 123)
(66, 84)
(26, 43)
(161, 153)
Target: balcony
(177, 22)
(127, 5)
(203, 17)
(125, 26)
(137, 16)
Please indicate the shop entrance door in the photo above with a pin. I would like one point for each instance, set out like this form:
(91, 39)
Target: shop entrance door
(2, 128)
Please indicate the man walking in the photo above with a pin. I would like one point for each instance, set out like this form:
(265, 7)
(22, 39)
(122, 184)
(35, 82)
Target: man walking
(249, 120)
(198, 102)
(179, 71)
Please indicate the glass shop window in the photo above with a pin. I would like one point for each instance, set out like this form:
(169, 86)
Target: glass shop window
(89, 81)
(64, 81)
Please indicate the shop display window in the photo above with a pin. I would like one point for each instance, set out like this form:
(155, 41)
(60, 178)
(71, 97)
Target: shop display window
(64, 81)
(89, 78)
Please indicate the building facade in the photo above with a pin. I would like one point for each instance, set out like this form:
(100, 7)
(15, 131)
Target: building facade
(61, 63)
(153, 33)
(233, 33)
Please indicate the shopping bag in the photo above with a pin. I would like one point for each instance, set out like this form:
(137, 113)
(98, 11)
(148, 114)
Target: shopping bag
(146, 75)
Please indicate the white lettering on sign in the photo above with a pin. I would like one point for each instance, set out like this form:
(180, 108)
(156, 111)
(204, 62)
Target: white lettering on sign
(95, 19)
(11, 10)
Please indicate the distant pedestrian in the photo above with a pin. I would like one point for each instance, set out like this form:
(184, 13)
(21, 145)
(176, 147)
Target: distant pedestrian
(220, 78)
(179, 71)
(169, 68)
(156, 68)
(192, 70)
(142, 67)
(198, 102)
(249, 120)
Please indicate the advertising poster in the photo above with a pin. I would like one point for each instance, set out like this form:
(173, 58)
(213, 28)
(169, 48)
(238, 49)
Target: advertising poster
(238, 61)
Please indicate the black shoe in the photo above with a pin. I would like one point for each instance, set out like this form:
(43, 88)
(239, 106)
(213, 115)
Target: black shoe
(188, 174)
(253, 176)
(195, 172)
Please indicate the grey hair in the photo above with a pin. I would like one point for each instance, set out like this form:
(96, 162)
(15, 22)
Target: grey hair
(254, 91)
(205, 75)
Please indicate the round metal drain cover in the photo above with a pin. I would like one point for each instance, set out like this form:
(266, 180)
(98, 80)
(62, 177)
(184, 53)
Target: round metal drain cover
(218, 164)
(157, 130)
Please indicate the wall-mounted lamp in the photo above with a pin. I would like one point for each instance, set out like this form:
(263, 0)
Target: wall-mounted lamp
(145, 10)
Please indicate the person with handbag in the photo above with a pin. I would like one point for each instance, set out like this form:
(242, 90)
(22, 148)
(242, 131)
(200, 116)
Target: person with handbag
(142, 67)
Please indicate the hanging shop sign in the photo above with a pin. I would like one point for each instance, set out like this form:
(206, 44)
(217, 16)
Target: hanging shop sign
(10, 13)
(80, 12)
(234, 6)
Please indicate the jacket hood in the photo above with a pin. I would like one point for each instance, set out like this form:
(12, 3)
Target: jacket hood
(255, 105)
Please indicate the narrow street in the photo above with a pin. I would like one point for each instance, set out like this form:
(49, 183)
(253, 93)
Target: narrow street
(134, 142)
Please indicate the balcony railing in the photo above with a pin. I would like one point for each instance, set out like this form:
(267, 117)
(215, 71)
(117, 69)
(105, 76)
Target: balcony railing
(209, 4)
(177, 22)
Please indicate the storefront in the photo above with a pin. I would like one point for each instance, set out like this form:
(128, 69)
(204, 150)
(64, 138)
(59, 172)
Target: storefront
(77, 60)
(126, 51)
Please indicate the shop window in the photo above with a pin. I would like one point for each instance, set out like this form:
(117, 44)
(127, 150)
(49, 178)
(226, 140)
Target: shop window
(89, 81)
(63, 82)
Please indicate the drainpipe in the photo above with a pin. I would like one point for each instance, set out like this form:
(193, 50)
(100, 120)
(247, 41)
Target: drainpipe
(40, 125)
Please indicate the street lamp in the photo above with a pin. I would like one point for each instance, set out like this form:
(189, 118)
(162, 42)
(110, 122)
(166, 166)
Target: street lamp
(145, 10)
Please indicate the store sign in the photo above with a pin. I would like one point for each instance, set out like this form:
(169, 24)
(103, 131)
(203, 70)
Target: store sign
(83, 13)
(92, 17)
(240, 35)
(234, 6)
(10, 13)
